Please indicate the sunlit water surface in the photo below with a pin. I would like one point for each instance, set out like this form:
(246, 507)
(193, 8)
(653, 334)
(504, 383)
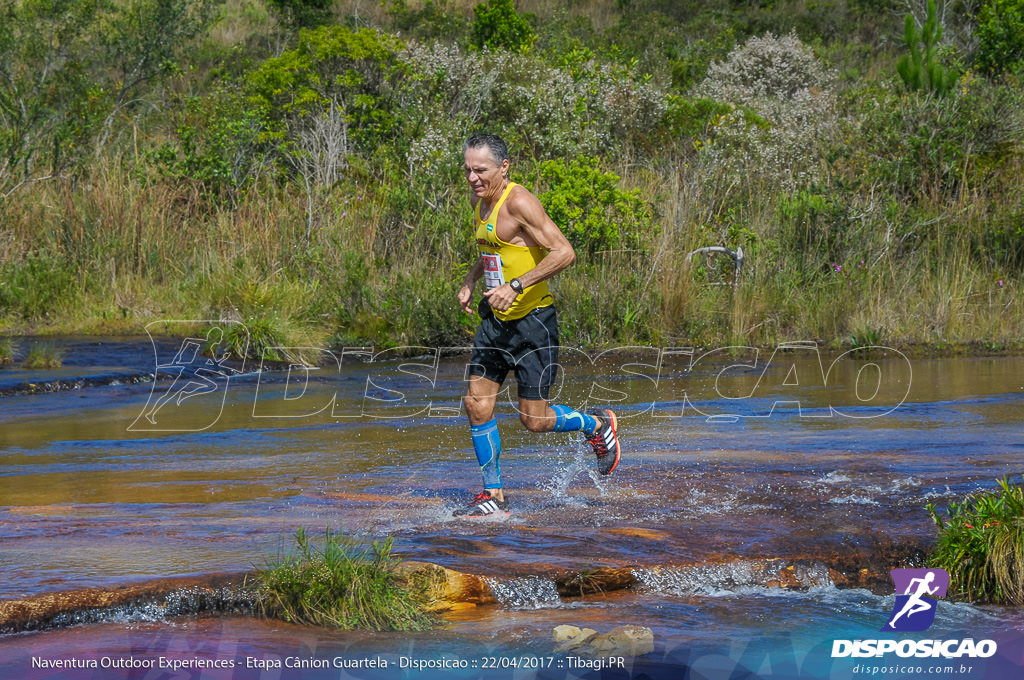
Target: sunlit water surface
(727, 458)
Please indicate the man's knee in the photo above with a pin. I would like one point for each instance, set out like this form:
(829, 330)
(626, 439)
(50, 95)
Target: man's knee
(535, 423)
(479, 409)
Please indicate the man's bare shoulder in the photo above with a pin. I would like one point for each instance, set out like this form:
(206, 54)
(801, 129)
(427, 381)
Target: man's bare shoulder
(521, 200)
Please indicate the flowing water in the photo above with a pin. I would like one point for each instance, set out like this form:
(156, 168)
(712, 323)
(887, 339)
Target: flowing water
(731, 461)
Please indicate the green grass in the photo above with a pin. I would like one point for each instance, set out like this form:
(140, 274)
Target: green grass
(339, 584)
(44, 355)
(8, 351)
(981, 545)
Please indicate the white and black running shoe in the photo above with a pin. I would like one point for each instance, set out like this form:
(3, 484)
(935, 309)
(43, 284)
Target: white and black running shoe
(483, 505)
(605, 441)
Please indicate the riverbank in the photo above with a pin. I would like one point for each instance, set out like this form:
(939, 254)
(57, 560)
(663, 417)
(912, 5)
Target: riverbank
(252, 184)
(17, 342)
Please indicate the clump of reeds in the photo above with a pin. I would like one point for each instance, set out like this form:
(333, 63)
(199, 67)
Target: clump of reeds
(44, 355)
(339, 584)
(981, 545)
(8, 351)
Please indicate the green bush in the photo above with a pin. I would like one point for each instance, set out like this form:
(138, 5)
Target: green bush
(691, 119)
(981, 545)
(924, 145)
(588, 205)
(354, 70)
(340, 585)
(217, 142)
(812, 225)
(1001, 36)
(499, 26)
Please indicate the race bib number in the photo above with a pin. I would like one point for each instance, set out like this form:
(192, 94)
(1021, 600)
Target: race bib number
(493, 276)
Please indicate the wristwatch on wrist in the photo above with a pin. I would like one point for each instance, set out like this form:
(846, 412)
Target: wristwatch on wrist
(516, 285)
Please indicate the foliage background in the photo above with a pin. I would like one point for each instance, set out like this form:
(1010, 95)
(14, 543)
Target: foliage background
(296, 164)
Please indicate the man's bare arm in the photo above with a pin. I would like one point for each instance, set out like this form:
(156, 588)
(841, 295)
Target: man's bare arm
(530, 215)
(468, 284)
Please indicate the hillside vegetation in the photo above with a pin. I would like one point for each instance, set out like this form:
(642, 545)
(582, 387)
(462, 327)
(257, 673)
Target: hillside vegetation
(296, 165)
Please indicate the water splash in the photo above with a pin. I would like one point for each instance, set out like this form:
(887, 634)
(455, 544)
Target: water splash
(525, 592)
(732, 577)
(581, 463)
(182, 602)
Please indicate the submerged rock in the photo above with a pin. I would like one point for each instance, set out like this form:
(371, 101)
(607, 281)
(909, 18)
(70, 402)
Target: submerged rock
(630, 640)
(571, 637)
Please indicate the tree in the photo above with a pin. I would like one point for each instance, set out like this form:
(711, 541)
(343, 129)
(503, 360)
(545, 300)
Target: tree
(142, 41)
(45, 90)
(920, 68)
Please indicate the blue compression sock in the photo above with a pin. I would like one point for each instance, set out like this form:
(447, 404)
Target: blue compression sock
(570, 420)
(487, 444)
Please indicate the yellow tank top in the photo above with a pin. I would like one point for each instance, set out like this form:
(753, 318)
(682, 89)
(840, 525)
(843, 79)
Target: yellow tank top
(505, 261)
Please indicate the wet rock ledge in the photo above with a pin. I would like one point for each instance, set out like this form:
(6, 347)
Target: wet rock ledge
(156, 600)
(444, 589)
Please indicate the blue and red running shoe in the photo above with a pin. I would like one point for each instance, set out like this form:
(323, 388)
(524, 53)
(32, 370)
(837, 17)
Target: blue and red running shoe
(605, 441)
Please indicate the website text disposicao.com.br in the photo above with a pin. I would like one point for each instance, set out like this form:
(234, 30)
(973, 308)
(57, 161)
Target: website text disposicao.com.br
(902, 670)
(947, 657)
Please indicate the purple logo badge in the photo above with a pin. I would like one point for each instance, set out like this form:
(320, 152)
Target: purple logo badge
(917, 591)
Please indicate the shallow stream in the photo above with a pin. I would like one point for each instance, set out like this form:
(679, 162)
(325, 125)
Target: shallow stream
(729, 459)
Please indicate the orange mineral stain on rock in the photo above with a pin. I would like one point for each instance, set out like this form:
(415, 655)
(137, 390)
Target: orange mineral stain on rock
(650, 534)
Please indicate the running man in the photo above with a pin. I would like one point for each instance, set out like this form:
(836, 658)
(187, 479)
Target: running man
(914, 604)
(520, 249)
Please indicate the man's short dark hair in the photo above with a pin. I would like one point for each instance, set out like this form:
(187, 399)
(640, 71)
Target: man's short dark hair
(496, 145)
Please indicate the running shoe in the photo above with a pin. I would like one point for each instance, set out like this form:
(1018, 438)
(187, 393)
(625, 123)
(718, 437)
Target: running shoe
(605, 441)
(483, 505)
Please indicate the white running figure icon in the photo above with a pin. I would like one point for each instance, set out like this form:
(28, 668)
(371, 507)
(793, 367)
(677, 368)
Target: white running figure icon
(202, 379)
(914, 603)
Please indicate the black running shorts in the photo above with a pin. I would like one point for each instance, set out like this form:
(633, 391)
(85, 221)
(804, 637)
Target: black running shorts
(528, 346)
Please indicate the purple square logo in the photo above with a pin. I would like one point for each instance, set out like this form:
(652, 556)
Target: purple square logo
(917, 591)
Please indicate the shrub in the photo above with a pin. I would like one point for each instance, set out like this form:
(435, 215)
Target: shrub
(432, 21)
(1001, 36)
(783, 83)
(812, 228)
(217, 143)
(550, 112)
(353, 70)
(340, 585)
(919, 144)
(981, 545)
(588, 205)
(499, 26)
(766, 69)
